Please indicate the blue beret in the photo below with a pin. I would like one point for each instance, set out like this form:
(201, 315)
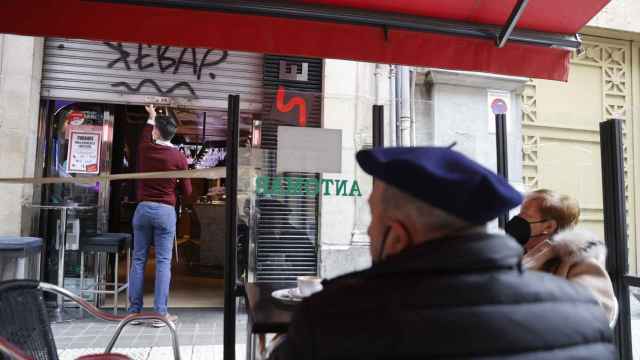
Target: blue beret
(443, 178)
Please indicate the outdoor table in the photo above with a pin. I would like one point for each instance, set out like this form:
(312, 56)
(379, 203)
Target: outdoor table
(264, 313)
(61, 238)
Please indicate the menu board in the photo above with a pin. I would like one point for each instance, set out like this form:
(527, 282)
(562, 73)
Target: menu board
(84, 152)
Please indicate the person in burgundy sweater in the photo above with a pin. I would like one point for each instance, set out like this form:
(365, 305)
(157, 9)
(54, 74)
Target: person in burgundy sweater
(154, 221)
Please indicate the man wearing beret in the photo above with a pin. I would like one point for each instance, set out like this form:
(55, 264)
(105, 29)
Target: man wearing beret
(441, 286)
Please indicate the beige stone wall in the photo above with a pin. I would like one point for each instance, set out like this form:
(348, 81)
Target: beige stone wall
(623, 15)
(348, 95)
(561, 141)
(20, 71)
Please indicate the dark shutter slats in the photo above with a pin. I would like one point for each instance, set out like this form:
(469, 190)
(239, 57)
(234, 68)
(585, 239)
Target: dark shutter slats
(287, 225)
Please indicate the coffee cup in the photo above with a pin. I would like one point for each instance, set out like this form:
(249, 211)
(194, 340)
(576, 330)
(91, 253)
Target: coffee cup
(308, 285)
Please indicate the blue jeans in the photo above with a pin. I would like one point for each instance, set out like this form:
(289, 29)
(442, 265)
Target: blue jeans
(152, 223)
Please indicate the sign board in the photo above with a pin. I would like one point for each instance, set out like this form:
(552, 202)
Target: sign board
(159, 100)
(310, 187)
(309, 150)
(499, 106)
(75, 118)
(81, 128)
(84, 152)
(292, 107)
(289, 71)
(498, 102)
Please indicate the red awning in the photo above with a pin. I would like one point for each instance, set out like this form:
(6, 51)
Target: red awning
(555, 16)
(381, 31)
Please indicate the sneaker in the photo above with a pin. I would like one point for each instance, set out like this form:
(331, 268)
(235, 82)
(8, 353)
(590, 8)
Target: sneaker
(159, 324)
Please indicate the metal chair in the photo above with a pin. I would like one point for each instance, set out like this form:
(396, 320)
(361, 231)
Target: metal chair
(25, 333)
(109, 243)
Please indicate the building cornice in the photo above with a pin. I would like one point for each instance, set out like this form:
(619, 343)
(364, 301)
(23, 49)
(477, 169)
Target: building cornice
(475, 79)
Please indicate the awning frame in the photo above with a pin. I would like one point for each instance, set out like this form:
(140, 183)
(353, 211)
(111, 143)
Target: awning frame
(385, 21)
(510, 25)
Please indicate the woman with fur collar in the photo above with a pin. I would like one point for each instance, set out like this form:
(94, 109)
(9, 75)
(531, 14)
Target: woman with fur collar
(546, 229)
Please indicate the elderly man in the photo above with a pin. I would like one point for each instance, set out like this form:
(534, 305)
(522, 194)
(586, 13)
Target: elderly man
(440, 285)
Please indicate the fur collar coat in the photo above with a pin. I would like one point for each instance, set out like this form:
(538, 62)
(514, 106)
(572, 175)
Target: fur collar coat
(578, 256)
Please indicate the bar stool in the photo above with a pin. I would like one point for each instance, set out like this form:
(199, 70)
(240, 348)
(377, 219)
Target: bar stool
(20, 257)
(109, 243)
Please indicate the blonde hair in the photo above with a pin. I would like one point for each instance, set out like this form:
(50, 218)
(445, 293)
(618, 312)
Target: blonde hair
(559, 207)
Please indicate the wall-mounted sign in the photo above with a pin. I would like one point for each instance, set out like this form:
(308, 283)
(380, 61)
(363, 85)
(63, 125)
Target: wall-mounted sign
(499, 106)
(291, 107)
(84, 152)
(311, 150)
(498, 102)
(266, 185)
(291, 71)
(159, 100)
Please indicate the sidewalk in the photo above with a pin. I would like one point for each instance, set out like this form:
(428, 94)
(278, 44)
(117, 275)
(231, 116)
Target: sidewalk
(200, 335)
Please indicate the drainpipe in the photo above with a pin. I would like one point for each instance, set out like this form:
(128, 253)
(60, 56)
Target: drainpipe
(405, 106)
(378, 84)
(412, 96)
(393, 120)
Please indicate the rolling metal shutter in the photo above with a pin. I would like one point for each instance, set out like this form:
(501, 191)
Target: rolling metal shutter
(128, 73)
(287, 225)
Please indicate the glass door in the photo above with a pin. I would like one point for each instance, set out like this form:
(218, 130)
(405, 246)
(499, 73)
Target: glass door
(238, 226)
(78, 144)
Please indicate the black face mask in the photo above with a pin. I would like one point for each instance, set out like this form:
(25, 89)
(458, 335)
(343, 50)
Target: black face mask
(520, 229)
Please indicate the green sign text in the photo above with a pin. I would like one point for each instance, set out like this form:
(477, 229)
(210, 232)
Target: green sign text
(306, 186)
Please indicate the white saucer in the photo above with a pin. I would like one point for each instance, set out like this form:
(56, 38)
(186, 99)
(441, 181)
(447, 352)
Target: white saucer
(291, 294)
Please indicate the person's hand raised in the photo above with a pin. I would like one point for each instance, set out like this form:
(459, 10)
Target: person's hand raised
(151, 110)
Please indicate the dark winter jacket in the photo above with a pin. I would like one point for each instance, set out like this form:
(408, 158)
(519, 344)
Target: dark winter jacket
(451, 298)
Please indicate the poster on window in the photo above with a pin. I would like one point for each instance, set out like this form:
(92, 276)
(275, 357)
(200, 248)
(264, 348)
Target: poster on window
(84, 152)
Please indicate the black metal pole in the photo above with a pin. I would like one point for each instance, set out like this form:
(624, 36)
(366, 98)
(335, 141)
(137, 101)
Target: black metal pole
(231, 228)
(502, 156)
(378, 126)
(204, 128)
(615, 226)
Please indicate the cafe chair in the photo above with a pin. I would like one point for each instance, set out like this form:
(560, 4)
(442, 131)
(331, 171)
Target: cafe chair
(106, 243)
(25, 332)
